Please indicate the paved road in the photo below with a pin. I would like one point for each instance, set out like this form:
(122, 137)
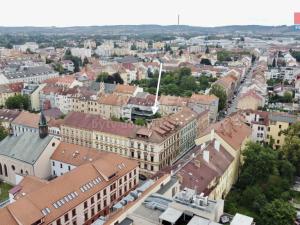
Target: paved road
(246, 83)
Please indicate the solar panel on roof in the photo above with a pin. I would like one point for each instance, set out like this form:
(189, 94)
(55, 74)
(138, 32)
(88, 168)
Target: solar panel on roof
(66, 199)
(76, 193)
(73, 195)
(82, 190)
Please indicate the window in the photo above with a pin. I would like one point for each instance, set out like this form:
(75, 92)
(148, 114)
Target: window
(85, 205)
(113, 197)
(113, 186)
(13, 167)
(86, 217)
(104, 192)
(104, 203)
(53, 163)
(61, 166)
(73, 212)
(66, 217)
(92, 212)
(99, 207)
(92, 200)
(5, 171)
(279, 126)
(58, 222)
(74, 222)
(98, 196)
(69, 168)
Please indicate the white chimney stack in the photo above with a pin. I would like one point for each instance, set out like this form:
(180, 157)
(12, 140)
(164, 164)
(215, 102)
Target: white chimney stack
(212, 134)
(206, 156)
(217, 145)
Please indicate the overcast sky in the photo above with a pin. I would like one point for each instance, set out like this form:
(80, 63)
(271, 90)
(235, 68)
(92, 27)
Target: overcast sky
(164, 12)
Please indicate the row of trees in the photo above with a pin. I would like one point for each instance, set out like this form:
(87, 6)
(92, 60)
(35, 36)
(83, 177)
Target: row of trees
(178, 83)
(18, 102)
(263, 190)
(111, 79)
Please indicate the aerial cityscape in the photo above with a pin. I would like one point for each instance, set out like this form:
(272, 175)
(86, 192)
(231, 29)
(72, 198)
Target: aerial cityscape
(170, 113)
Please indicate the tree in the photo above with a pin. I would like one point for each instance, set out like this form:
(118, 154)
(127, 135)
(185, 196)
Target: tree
(102, 77)
(254, 197)
(274, 63)
(18, 102)
(140, 122)
(188, 83)
(133, 47)
(207, 50)
(219, 91)
(111, 79)
(287, 97)
(3, 133)
(117, 78)
(291, 147)
(85, 61)
(205, 62)
(259, 164)
(9, 45)
(59, 68)
(224, 56)
(278, 212)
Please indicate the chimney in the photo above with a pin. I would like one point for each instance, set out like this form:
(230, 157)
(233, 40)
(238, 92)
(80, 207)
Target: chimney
(212, 134)
(197, 163)
(217, 145)
(206, 156)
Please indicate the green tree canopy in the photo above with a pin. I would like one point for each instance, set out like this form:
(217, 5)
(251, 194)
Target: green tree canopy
(291, 147)
(3, 133)
(278, 212)
(18, 102)
(259, 163)
(111, 79)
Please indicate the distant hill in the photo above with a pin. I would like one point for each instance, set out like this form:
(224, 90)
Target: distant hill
(151, 29)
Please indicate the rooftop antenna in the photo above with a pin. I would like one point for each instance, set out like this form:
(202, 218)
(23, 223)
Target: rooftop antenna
(155, 107)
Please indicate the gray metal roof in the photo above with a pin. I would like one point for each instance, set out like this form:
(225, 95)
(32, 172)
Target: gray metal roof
(282, 117)
(27, 147)
(29, 72)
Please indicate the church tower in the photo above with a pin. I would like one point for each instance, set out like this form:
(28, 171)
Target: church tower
(43, 126)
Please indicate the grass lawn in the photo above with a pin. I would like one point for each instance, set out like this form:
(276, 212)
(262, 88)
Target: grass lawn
(4, 188)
